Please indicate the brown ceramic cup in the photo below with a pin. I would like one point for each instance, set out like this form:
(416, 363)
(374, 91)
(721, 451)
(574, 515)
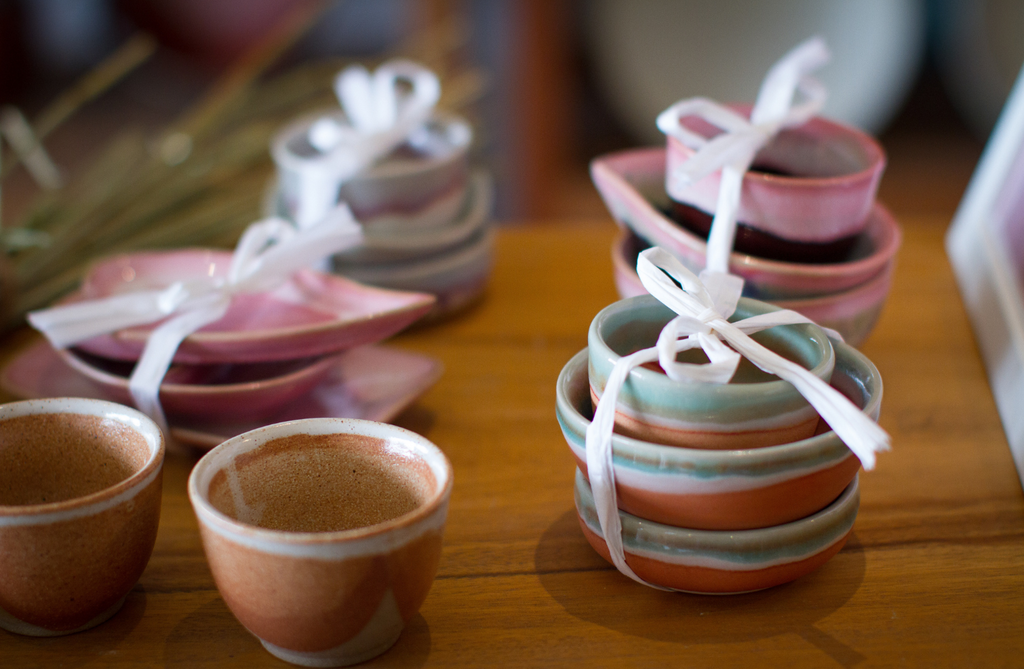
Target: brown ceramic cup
(323, 535)
(80, 483)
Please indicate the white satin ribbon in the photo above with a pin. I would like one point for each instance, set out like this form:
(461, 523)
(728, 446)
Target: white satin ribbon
(267, 254)
(733, 150)
(382, 111)
(702, 321)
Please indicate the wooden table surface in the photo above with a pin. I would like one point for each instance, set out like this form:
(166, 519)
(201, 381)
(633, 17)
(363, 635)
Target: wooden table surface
(933, 574)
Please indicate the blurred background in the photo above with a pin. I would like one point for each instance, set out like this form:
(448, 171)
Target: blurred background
(547, 85)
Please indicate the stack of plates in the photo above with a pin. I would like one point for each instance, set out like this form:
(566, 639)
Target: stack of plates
(306, 349)
(426, 216)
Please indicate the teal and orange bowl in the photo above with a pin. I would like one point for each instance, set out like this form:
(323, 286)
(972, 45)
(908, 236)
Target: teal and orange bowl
(755, 409)
(725, 489)
(724, 562)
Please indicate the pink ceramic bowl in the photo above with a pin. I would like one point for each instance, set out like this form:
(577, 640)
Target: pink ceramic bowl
(724, 489)
(323, 535)
(853, 313)
(727, 562)
(812, 184)
(632, 184)
(80, 483)
(224, 392)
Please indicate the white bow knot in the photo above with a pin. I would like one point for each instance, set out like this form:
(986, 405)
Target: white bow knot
(382, 111)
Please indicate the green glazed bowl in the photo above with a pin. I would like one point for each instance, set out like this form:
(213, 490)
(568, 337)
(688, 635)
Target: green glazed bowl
(754, 410)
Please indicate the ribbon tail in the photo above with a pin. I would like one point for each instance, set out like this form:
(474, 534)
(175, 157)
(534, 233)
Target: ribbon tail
(856, 429)
(68, 324)
(785, 76)
(163, 342)
(600, 466)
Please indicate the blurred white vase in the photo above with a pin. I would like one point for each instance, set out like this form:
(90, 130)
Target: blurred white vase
(651, 53)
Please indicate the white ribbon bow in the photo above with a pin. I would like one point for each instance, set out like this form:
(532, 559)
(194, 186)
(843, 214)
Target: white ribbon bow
(734, 150)
(267, 254)
(702, 321)
(382, 111)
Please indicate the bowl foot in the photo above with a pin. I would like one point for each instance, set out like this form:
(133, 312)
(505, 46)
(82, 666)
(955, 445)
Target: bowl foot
(12, 624)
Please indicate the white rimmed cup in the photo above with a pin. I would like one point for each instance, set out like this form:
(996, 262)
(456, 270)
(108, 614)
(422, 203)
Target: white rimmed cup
(323, 535)
(80, 484)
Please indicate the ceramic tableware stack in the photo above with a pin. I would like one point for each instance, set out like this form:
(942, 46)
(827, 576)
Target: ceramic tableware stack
(426, 215)
(718, 438)
(720, 488)
(811, 235)
(307, 348)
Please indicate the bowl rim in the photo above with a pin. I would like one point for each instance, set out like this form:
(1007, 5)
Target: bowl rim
(96, 502)
(884, 277)
(629, 451)
(658, 384)
(311, 367)
(872, 148)
(220, 457)
(670, 538)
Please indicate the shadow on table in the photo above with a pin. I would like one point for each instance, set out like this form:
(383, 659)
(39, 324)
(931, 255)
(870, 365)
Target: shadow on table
(792, 608)
(83, 648)
(211, 637)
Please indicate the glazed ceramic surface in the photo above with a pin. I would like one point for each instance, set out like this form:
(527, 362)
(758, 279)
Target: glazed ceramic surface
(754, 410)
(727, 562)
(853, 313)
(80, 483)
(370, 382)
(224, 392)
(632, 186)
(813, 184)
(456, 276)
(726, 489)
(421, 185)
(311, 314)
(323, 535)
(399, 243)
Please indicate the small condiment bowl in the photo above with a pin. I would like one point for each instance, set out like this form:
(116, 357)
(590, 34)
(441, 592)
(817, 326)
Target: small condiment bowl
(632, 185)
(853, 313)
(815, 183)
(323, 535)
(422, 184)
(727, 562)
(223, 391)
(80, 483)
(727, 489)
(755, 409)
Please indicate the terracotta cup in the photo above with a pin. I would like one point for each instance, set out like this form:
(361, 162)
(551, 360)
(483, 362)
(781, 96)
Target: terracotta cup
(80, 483)
(323, 535)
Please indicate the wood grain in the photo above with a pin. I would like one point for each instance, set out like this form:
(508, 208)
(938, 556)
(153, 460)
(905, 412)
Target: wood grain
(934, 573)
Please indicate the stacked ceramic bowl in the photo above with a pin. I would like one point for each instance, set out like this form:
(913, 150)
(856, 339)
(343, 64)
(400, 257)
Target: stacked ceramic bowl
(426, 215)
(810, 237)
(307, 348)
(720, 488)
